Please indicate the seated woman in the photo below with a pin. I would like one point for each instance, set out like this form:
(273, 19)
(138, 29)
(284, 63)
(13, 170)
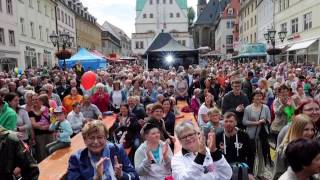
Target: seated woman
(157, 119)
(100, 159)
(196, 161)
(168, 115)
(126, 130)
(153, 158)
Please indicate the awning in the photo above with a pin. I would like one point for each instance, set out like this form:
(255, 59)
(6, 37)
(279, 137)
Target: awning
(302, 45)
(246, 55)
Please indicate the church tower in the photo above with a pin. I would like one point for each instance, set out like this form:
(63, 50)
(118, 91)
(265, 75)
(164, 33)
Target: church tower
(201, 6)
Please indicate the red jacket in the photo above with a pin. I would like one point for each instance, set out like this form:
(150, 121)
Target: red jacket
(194, 105)
(101, 102)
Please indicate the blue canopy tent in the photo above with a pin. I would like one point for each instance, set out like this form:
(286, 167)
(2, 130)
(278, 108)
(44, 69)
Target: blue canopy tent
(88, 60)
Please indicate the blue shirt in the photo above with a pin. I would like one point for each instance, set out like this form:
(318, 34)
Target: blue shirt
(64, 129)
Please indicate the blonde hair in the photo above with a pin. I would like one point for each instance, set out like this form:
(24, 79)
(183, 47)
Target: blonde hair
(296, 129)
(93, 127)
(213, 111)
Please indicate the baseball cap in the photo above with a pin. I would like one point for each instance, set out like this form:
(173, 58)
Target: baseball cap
(58, 109)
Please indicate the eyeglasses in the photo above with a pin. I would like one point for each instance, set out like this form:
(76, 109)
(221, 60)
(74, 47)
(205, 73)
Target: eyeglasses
(188, 136)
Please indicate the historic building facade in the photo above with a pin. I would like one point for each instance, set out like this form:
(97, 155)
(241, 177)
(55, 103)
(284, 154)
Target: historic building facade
(155, 16)
(9, 44)
(36, 21)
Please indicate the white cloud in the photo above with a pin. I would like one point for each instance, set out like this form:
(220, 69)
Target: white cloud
(120, 13)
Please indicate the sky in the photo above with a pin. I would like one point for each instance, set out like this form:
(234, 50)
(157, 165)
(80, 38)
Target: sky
(120, 13)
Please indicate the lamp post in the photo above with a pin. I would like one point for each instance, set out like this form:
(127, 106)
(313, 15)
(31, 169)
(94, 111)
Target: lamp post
(65, 40)
(270, 37)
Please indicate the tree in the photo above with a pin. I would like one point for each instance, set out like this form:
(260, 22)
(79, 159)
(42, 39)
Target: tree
(191, 15)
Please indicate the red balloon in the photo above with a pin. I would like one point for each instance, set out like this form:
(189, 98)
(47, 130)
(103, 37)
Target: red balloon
(88, 80)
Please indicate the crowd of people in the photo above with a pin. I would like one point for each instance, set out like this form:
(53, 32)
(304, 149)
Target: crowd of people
(242, 110)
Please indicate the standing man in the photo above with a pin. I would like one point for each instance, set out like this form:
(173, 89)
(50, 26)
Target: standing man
(247, 86)
(235, 144)
(235, 101)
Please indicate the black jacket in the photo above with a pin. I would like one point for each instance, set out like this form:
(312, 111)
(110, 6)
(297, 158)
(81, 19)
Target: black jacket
(246, 154)
(139, 112)
(230, 103)
(15, 154)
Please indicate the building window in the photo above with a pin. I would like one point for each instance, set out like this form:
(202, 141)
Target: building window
(250, 38)
(255, 37)
(171, 15)
(62, 16)
(69, 20)
(141, 45)
(31, 3)
(40, 33)
(22, 25)
(150, 1)
(47, 35)
(58, 14)
(72, 22)
(9, 7)
(178, 15)
(171, 1)
(151, 15)
(0, 6)
(251, 22)
(137, 44)
(283, 27)
(144, 16)
(307, 21)
(255, 20)
(12, 40)
(247, 24)
(2, 40)
(65, 17)
(32, 29)
(294, 25)
(183, 42)
(230, 11)
(229, 39)
(252, 7)
(46, 10)
(164, 1)
(158, 1)
(38, 4)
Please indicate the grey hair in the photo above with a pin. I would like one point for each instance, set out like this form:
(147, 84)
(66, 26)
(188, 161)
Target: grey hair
(185, 125)
(27, 93)
(99, 85)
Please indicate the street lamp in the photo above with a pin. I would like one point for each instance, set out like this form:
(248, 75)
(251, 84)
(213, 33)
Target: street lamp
(270, 37)
(65, 40)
